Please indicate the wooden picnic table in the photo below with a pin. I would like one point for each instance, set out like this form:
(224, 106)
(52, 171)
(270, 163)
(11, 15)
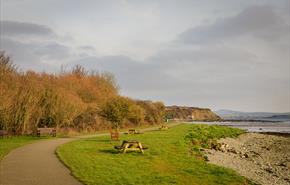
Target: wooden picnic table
(131, 145)
(163, 127)
(133, 131)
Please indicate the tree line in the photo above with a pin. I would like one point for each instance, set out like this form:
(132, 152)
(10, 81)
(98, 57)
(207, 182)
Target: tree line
(78, 99)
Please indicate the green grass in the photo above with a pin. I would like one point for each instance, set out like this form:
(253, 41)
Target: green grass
(167, 161)
(205, 136)
(8, 144)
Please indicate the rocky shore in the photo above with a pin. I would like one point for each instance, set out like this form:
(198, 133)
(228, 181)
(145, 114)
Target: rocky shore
(263, 158)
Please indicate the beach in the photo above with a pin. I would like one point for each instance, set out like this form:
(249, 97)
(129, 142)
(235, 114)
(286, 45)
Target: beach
(262, 157)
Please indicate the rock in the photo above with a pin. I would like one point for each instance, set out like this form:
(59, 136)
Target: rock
(244, 155)
(255, 153)
(233, 150)
(216, 146)
(270, 170)
(283, 164)
(224, 147)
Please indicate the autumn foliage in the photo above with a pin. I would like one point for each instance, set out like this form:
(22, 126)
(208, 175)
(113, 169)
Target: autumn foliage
(77, 99)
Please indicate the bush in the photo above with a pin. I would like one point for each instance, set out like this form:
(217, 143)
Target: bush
(120, 109)
(205, 136)
(76, 99)
(154, 111)
(29, 100)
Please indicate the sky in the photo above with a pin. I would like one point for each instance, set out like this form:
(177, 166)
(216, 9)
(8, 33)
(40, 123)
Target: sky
(218, 54)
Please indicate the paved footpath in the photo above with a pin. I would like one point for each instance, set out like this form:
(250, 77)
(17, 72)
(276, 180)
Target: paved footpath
(37, 164)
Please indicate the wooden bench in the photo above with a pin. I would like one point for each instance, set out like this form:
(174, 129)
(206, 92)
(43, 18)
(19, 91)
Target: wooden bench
(131, 146)
(114, 135)
(46, 131)
(3, 133)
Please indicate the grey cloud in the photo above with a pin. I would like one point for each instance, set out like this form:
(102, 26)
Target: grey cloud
(33, 46)
(132, 75)
(53, 51)
(14, 28)
(261, 21)
(23, 55)
(87, 47)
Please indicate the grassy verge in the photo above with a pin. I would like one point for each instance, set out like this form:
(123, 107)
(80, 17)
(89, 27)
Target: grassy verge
(167, 161)
(8, 144)
(205, 136)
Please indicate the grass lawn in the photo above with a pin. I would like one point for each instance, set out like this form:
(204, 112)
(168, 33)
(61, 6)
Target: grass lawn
(167, 161)
(8, 144)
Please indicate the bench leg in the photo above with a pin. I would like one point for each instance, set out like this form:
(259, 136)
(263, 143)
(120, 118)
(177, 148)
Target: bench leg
(125, 149)
(141, 148)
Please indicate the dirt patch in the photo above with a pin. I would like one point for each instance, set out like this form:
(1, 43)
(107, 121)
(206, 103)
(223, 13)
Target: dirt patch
(263, 158)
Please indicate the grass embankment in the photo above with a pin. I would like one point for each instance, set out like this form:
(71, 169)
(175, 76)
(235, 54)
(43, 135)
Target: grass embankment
(167, 161)
(205, 136)
(8, 144)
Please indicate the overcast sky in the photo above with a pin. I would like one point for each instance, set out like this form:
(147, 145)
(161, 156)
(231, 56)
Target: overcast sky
(221, 54)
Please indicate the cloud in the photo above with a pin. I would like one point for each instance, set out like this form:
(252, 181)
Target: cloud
(135, 77)
(260, 21)
(33, 46)
(14, 28)
(238, 58)
(53, 51)
(23, 55)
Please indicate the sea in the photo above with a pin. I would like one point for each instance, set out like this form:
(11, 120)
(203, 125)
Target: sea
(269, 126)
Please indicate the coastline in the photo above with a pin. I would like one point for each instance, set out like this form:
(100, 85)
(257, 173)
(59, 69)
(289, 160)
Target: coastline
(261, 157)
(261, 127)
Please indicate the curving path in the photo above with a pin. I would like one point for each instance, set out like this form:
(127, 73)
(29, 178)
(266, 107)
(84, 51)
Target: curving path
(37, 164)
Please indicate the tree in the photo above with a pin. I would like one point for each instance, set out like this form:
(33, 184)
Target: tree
(115, 111)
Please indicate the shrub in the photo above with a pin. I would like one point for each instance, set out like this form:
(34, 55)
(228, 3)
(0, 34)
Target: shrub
(120, 109)
(154, 111)
(29, 99)
(206, 136)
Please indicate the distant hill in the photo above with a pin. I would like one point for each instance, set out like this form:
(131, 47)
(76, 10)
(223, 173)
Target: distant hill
(238, 115)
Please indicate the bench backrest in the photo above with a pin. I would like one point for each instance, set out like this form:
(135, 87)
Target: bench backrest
(115, 136)
(3, 133)
(50, 131)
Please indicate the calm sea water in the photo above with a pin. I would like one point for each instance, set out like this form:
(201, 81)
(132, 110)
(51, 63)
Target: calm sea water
(279, 127)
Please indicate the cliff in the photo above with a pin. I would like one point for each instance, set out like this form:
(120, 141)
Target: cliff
(190, 113)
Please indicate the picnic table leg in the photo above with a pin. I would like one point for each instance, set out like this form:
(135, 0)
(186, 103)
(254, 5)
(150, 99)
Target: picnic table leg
(141, 148)
(125, 149)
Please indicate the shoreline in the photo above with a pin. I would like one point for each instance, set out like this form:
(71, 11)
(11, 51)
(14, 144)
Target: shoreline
(253, 127)
(273, 133)
(262, 157)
